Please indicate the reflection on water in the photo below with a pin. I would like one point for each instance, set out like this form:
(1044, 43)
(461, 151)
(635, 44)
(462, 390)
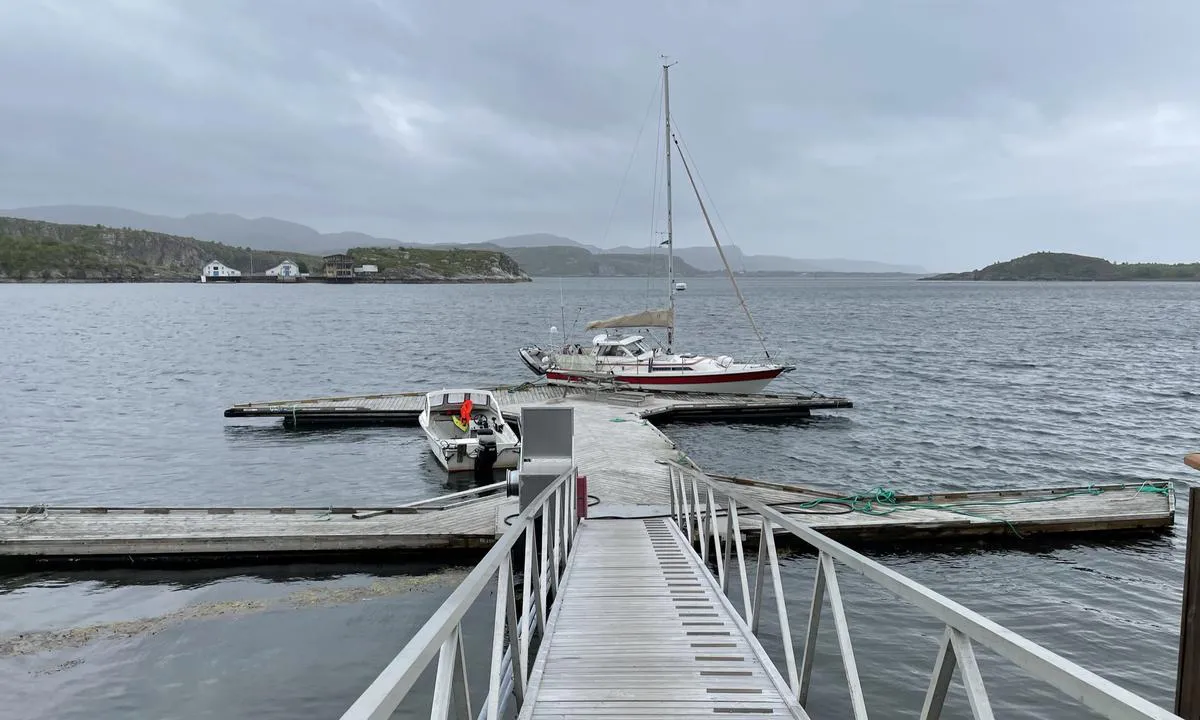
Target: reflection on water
(326, 594)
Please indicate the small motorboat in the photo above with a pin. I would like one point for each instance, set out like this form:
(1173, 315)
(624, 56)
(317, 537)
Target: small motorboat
(536, 359)
(466, 431)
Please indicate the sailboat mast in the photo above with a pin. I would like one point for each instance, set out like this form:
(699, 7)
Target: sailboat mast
(670, 228)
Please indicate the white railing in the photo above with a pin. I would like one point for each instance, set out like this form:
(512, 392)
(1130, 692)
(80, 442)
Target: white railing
(699, 506)
(545, 557)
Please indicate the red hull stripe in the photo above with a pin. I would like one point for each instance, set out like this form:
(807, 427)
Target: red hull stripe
(697, 379)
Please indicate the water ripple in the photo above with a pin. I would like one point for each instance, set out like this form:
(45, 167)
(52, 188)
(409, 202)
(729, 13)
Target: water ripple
(115, 396)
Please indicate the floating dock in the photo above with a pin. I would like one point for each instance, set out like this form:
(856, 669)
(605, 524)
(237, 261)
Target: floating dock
(403, 408)
(879, 515)
(629, 464)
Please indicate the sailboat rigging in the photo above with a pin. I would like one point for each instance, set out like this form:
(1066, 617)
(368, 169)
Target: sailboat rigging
(721, 252)
(631, 361)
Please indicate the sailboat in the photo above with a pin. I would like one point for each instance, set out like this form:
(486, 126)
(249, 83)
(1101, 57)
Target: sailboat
(633, 361)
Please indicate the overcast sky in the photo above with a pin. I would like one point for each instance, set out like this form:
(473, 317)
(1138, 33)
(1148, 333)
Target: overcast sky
(946, 134)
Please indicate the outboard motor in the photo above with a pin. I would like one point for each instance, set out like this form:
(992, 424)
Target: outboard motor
(486, 459)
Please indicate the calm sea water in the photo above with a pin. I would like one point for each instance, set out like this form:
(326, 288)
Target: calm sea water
(112, 394)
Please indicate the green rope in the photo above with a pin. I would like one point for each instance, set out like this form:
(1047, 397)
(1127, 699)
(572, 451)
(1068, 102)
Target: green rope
(882, 501)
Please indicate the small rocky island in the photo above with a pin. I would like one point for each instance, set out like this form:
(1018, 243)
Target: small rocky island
(1069, 267)
(36, 251)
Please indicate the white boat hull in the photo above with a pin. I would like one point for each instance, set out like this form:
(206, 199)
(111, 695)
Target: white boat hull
(448, 455)
(733, 382)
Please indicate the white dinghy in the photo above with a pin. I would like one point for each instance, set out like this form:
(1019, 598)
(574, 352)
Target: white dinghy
(466, 431)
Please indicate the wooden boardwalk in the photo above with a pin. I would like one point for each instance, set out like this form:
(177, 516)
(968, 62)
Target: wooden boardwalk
(640, 629)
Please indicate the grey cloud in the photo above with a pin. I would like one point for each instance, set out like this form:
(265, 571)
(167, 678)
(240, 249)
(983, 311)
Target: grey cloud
(943, 134)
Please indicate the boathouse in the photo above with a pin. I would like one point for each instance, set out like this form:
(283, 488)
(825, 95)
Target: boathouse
(218, 269)
(285, 269)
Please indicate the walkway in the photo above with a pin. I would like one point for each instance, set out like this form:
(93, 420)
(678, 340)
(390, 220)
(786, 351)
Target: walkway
(640, 629)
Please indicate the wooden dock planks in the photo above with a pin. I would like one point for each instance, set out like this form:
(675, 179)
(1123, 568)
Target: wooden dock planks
(403, 408)
(1018, 512)
(625, 458)
(641, 630)
(69, 533)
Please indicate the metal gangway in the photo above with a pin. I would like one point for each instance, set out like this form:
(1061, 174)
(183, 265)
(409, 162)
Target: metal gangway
(660, 617)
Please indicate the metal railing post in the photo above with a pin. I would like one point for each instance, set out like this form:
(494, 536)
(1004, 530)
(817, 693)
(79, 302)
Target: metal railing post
(503, 588)
(727, 560)
(443, 683)
(556, 534)
(741, 559)
(760, 575)
(563, 528)
(545, 577)
(716, 536)
(674, 499)
(1187, 683)
(842, 626)
(810, 636)
(462, 669)
(785, 628)
(687, 510)
(939, 681)
(972, 679)
(516, 638)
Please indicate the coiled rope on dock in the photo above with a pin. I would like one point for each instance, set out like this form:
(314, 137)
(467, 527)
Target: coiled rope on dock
(881, 501)
(27, 516)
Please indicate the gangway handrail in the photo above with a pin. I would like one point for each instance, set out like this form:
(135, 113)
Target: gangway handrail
(697, 512)
(442, 634)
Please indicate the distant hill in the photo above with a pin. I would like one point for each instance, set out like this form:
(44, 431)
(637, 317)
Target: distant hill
(267, 233)
(539, 240)
(33, 250)
(1069, 267)
(707, 258)
(578, 262)
(700, 257)
(454, 264)
(256, 233)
